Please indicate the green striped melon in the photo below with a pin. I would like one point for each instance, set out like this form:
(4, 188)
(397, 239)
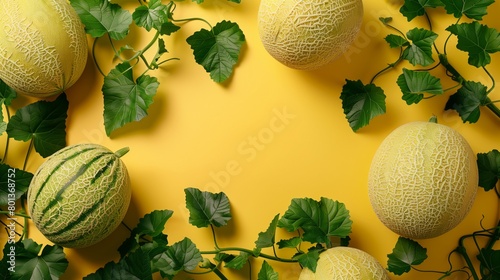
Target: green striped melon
(79, 195)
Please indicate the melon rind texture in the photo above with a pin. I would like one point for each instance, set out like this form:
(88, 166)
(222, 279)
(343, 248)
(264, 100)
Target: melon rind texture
(308, 34)
(423, 180)
(345, 263)
(43, 46)
(79, 195)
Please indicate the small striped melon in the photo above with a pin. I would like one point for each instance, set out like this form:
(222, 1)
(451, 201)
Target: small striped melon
(79, 195)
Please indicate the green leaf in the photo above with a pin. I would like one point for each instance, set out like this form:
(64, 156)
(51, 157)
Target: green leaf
(415, 8)
(490, 263)
(396, 41)
(361, 103)
(13, 182)
(239, 261)
(126, 100)
(478, 40)
(6, 265)
(267, 272)
(207, 208)
(7, 94)
(385, 20)
(405, 254)
(167, 28)
(218, 50)
(420, 50)
(318, 219)
(43, 122)
(309, 259)
(101, 17)
(468, 100)
(34, 263)
(267, 238)
(135, 266)
(473, 9)
(289, 243)
(152, 224)
(414, 84)
(182, 255)
(151, 16)
(489, 169)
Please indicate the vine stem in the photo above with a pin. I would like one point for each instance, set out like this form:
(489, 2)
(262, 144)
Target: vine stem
(28, 154)
(26, 216)
(463, 252)
(265, 256)
(213, 268)
(7, 140)
(455, 75)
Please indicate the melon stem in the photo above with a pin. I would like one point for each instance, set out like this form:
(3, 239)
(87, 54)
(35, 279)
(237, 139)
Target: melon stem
(121, 152)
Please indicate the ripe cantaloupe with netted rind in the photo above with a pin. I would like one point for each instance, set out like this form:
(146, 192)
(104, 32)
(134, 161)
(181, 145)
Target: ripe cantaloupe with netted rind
(43, 46)
(79, 195)
(308, 34)
(423, 180)
(345, 263)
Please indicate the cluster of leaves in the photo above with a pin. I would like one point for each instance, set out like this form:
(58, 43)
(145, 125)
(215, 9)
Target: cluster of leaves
(127, 95)
(362, 102)
(320, 224)
(43, 125)
(408, 253)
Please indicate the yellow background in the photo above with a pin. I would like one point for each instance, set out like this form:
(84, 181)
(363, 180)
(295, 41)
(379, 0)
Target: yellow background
(200, 134)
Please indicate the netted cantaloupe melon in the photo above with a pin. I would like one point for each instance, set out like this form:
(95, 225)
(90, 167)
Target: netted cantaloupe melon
(423, 180)
(345, 263)
(43, 46)
(308, 34)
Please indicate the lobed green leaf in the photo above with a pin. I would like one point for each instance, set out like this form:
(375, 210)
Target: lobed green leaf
(20, 181)
(207, 208)
(217, 50)
(101, 17)
(478, 40)
(239, 261)
(267, 272)
(134, 266)
(7, 94)
(405, 254)
(420, 50)
(489, 260)
(126, 100)
(182, 255)
(361, 103)
(473, 9)
(396, 41)
(414, 84)
(309, 259)
(151, 16)
(152, 225)
(489, 169)
(44, 122)
(319, 220)
(33, 262)
(289, 243)
(267, 238)
(415, 8)
(468, 100)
